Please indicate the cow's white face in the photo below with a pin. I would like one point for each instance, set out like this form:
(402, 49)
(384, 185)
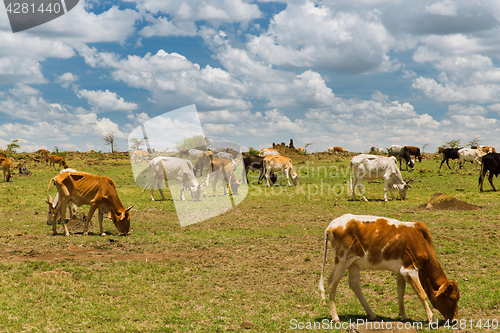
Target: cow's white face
(402, 190)
(196, 192)
(235, 184)
(295, 178)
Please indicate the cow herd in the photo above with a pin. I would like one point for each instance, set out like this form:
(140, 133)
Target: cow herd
(357, 241)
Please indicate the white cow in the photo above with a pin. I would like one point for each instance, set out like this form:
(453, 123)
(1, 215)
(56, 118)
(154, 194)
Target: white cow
(470, 155)
(193, 153)
(268, 151)
(172, 168)
(374, 167)
(273, 163)
(227, 156)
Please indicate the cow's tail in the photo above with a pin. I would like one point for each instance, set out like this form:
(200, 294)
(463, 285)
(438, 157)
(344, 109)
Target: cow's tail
(149, 178)
(321, 282)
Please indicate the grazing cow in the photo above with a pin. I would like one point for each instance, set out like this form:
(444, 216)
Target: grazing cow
(221, 169)
(448, 154)
(172, 168)
(470, 155)
(415, 151)
(268, 151)
(379, 243)
(401, 152)
(374, 167)
(301, 149)
(54, 159)
(6, 166)
(203, 160)
(83, 188)
(273, 163)
(491, 163)
(487, 149)
(256, 163)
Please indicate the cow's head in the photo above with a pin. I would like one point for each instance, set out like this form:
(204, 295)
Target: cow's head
(295, 177)
(123, 222)
(196, 192)
(51, 213)
(402, 189)
(446, 300)
(235, 184)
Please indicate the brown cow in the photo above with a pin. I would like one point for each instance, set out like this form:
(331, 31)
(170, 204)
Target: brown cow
(203, 160)
(487, 149)
(6, 166)
(273, 163)
(415, 151)
(44, 154)
(83, 188)
(337, 150)
(55, 159)
(222, 169)
(268, 151)
(379, 243)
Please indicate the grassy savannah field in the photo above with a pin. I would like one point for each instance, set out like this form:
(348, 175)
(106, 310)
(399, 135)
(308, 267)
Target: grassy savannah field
(256, 265)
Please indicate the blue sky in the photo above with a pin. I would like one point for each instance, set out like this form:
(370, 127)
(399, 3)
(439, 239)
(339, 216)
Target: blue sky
(355, 74)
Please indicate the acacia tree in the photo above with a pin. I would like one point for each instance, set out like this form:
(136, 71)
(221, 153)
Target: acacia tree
(13, 145)
(196, 141)
(109, 139)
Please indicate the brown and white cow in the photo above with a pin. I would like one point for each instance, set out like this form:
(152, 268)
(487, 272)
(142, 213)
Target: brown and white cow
(6, 166)
(379, 243)
(83, 188)
(55, 159)
(140, 155)
(273, 163)
(222, 169)
(268, 151)
(487, 149)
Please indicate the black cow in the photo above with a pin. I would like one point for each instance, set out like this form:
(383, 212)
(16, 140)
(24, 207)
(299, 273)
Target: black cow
(255, 163)
(449, 153)
(401, 152)
(491, 163)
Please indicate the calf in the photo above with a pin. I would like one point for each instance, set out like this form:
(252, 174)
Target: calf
(374, 167)
(44, 154)
(54, 159)
(401, 152)
(491, 163)
(273, 163)
(448, 154)
(6, 166)
(221, 169)
(83, 188)
(379, 243)
(172, 168)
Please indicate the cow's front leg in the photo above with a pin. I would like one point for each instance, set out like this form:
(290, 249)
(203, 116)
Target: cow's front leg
(92, 209)
(401, 295)
(100, 216)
